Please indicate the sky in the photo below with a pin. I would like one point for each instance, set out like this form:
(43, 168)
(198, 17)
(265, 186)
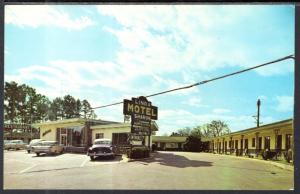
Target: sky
(107, 53)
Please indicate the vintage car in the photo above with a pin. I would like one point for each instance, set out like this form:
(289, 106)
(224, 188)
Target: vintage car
(101, 147)
(6, 144)
(33, 143)
(15, 144)
(47, 147)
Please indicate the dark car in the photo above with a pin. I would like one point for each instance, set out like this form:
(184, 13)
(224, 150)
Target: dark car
(101, 147)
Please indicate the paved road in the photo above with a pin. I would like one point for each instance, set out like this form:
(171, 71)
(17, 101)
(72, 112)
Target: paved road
(165, 170)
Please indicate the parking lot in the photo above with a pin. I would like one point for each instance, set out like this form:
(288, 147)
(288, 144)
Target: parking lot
(163, 170)
(22, 162)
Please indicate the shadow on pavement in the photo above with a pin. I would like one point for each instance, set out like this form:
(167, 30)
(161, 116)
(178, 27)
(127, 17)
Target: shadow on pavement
(105, 159)
(170, 159)
(46, 155)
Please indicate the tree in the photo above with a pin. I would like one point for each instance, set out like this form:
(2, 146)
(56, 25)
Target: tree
(24, 105)
(193, 144)
(69, 106)
(218, 128)
(183, 132)
(206, 131)
(78, 108)
(196, 131)
(56, 109)
(10, 101)
(87, 111)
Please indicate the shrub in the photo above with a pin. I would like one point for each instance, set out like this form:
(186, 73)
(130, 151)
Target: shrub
(138, 152)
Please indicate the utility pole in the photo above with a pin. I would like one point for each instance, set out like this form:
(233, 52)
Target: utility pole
(257, 117)
(258, 112)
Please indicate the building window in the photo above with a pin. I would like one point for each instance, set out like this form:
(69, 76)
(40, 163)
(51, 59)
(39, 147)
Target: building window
(253, 142)
(267, 142)
(288, 141)
(99, 135)
(236, 144)
(120, 138)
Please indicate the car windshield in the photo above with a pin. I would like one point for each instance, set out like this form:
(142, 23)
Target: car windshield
(34, 141)
(105, 142)
(16, 141)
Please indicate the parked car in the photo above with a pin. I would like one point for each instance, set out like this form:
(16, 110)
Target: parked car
(15, 144)
(101, 147)
(6, 144)
(47, 147)
(33, 143)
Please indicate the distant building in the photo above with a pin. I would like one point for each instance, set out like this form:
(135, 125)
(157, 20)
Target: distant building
(20, 131)
(169, 142)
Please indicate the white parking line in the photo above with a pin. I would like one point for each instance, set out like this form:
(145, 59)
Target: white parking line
(27, 168)
(85, 161)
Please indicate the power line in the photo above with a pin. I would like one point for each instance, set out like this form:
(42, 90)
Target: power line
(209, 80)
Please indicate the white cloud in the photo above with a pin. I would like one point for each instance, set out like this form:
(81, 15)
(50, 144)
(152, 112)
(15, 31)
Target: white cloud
(221, 110)
(285, 103)
(174, 38)
(43, 15)
(194, 101)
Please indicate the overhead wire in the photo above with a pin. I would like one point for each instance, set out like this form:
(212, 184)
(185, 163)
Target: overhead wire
(209, 80)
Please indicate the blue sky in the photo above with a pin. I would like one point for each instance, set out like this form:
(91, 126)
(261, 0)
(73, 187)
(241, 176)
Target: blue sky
(107, 53)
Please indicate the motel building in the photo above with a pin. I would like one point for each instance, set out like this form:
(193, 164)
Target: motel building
(169, 143)
(276, 137)
(77, 134)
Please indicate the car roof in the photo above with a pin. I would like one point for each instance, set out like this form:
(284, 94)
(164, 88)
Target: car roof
(103, 139)
(49, 142)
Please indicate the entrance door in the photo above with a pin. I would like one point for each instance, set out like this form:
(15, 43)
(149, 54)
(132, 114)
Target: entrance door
(279, 143)
(63, 139)
(259, 143)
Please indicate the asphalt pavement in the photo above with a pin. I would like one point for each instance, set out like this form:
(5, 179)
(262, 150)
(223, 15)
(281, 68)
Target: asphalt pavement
(164, 170)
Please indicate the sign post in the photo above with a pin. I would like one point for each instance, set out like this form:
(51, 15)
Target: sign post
(142, 112)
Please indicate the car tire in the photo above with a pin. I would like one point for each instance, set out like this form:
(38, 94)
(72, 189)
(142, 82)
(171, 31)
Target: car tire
(28, 151)
(37, 154)
(92, 158)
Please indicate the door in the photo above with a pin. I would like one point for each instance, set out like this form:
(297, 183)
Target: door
(259, 143)
(279, 143)
(63, 139)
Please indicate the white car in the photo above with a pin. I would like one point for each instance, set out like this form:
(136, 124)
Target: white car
(47, 147)
(33, 143)
(15, 144)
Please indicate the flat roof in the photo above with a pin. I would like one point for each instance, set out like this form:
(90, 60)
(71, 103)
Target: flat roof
(73, 120)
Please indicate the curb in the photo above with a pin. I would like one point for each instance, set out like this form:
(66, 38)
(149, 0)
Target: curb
(283, 166)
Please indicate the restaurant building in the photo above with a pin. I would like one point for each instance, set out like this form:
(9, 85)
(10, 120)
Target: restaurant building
(275, 137)
(78, 134)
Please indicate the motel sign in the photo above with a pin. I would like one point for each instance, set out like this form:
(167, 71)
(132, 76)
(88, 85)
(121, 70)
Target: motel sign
(142, 112)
